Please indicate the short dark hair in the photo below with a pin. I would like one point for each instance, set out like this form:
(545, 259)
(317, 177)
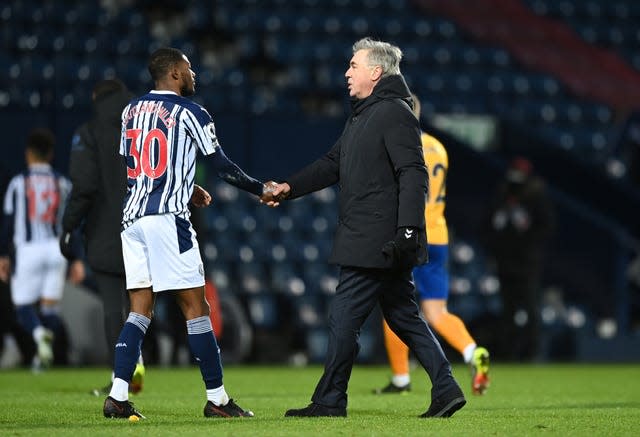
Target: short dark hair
(40, 141)
(108, 86)
(162, 60)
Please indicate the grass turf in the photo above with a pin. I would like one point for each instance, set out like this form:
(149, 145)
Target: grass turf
(565, 400)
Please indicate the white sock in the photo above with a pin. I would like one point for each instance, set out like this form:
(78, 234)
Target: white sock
(39, 333)
(218, 396)
(467, 353)
(400, 380)
(119, 390)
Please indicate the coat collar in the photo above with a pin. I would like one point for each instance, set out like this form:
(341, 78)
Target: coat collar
(390, 87)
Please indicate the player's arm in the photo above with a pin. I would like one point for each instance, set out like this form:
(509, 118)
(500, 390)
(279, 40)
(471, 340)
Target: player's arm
(228, 171)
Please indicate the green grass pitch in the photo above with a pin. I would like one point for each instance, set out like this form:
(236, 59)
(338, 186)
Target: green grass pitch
(562, 400)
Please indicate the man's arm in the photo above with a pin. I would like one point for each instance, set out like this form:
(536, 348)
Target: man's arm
(320, 174)
(85, 174)
(402, 141)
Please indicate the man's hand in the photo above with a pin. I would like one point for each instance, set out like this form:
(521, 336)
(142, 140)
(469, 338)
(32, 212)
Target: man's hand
(5, 268)
(403, 250)
(77, 272)
(200, 197)
(274, 192)
(66, 246)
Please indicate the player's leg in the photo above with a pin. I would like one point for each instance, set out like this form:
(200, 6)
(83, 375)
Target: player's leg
(448, 326)
(54, 273)
(204, 348)
(453, 330)
(26, 286)
(135, 251)
(115, 303)
(432, 283)
(180, 268)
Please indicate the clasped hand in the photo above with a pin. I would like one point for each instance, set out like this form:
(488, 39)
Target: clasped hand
(273, 193)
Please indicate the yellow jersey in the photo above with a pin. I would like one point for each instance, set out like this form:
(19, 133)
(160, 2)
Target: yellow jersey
(437, 161)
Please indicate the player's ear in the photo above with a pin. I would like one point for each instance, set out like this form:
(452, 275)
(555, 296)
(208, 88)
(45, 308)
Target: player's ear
(175, 72)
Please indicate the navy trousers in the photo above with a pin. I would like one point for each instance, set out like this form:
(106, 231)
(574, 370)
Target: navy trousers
(358, 291)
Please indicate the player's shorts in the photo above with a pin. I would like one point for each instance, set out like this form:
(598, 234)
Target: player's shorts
(161, 251)
(39, 272)
(432, 279)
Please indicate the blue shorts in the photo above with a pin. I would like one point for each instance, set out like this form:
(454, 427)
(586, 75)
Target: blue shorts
(432, 279)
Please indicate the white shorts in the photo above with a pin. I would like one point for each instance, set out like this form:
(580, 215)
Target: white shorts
(161, 251)
(39, 272)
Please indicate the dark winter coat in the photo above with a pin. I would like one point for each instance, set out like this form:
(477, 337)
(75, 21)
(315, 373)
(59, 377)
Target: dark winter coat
(99, 178)
(379, 167)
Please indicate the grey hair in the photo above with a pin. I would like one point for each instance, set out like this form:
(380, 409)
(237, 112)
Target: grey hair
(381, 53)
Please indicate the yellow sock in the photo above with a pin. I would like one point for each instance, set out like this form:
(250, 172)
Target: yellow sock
(453, 330)
(397, 351)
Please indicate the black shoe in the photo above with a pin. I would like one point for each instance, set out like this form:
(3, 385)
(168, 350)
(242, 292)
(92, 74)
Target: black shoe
(231, 409)
(392, 388)
(101, 391)
(315, 410)
(446, 405)
(119, 409)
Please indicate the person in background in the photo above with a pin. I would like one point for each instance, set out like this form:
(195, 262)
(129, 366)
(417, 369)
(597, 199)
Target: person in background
(380, 238)
(162, 131)
(8, 321)
(31, 225)
(94, 209)
(521, 220)
(432, 283)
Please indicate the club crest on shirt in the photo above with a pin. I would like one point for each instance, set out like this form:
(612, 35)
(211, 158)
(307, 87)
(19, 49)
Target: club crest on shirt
(210, 129)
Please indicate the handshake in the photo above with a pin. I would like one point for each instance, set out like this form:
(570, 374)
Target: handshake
(273, 193)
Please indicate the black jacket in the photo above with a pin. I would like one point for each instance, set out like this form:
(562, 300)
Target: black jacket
(380, 169)
(99, 178)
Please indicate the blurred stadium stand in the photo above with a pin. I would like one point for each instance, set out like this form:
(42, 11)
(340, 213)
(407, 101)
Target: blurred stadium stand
(558, 78)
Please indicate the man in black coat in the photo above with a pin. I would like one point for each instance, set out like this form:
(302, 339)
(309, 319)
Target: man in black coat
(99, 178)
(379, 167)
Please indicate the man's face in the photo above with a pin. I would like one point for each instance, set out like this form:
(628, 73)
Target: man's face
(361, 78)
(187, 78)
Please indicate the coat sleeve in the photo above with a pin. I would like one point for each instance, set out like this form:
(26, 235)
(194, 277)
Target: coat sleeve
(402, 141)
(84, 173)
(320, 174)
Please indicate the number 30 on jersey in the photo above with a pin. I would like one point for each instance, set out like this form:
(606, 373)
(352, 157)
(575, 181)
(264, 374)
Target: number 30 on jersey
(146, 150)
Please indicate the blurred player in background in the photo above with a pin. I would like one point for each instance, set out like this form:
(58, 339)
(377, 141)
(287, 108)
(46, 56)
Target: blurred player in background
(162, 132)
(32, 211)
(432, 283)
(99, 179)
(8, 321)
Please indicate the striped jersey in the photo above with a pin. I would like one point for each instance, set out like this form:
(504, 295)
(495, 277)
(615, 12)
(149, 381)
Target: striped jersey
(161, 134)
(34, 203)
(437, 161)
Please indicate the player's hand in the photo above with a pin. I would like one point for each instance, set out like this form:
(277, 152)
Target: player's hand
(274, 192)
(66, 246)
(5, 268)
(403, 249)
(200, 197)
